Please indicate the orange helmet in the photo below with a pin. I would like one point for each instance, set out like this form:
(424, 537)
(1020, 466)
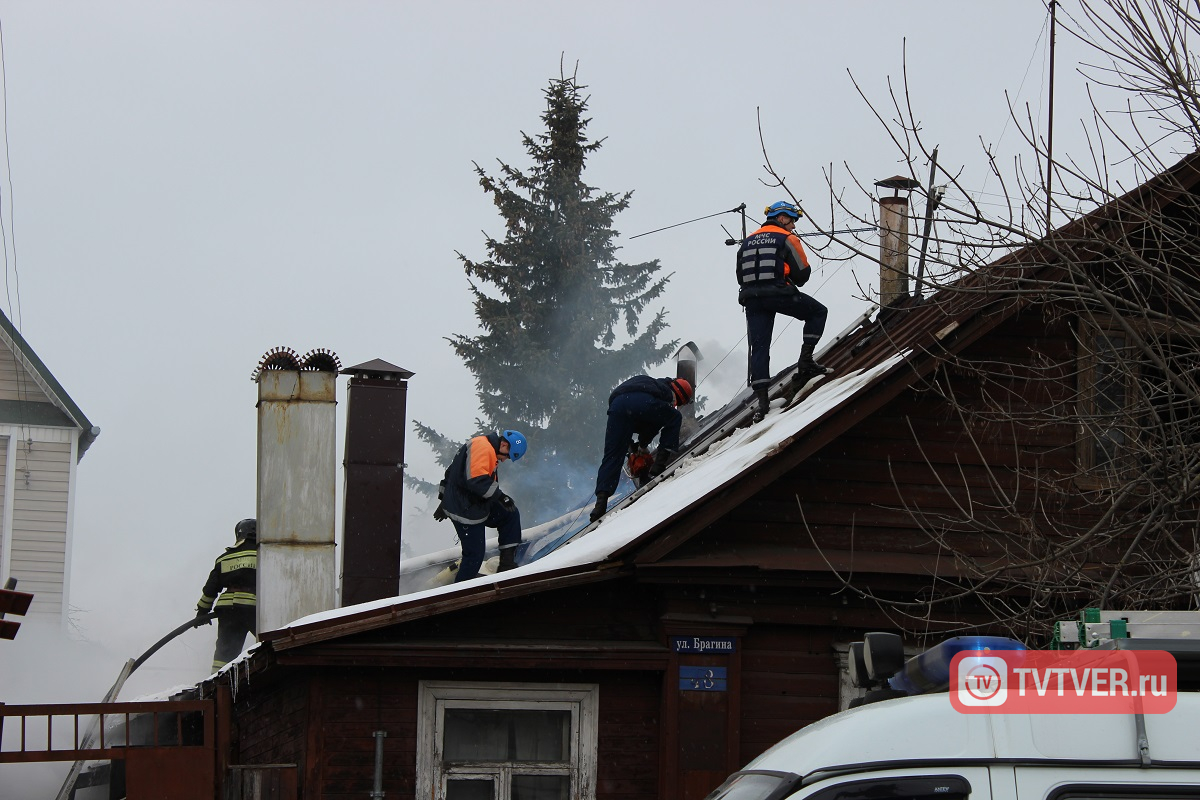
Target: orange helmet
(683, 391)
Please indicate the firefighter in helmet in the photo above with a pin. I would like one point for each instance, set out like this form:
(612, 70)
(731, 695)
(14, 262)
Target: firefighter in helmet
(229, 594)
(645, 406)
(771, 268)
(472, 500)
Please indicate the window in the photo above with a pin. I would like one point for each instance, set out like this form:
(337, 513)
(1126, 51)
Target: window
(507, 741)
(905, 787)
(1136, 412)
(1124, 791)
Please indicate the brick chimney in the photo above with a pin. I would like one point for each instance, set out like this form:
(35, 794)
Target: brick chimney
(376, 406)
(297, 566)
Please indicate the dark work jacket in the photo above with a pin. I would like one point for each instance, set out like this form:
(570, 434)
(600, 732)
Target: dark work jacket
(771, 263)
(471, 480)
(658, 388)
(235, 572)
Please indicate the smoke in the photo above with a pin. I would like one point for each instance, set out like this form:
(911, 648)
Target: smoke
(24, 781)
(45, 665)
(422, 533)
(722, 373)
(545, 487)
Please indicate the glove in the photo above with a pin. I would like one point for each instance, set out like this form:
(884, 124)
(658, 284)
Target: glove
(202, 614)
(506, 502)
(662, 459)
(439, 513)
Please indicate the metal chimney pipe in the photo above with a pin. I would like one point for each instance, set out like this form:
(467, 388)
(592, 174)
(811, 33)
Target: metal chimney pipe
(376, 404)
(893, 240)
(297, 563)
(686, 360)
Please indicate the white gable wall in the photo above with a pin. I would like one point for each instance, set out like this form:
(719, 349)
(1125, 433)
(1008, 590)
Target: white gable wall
(38, 468)
(16, 382)
(38, 499)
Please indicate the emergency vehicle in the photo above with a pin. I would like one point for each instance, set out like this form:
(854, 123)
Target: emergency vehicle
(898, 744)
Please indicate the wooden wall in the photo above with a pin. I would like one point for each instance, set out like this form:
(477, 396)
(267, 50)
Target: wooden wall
(272, 722)
(325, 719)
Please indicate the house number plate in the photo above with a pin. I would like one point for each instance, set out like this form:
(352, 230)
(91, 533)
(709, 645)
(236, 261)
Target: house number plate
(702, 679)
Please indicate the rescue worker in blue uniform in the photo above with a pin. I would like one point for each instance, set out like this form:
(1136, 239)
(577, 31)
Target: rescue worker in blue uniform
(236, 608)
(648, 407)
(771, 268)
(472, 500)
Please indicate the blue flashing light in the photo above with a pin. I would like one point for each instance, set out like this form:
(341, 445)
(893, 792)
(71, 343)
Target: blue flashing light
(930, 671)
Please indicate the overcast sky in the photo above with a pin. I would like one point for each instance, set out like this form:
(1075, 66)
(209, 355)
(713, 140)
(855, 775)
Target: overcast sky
(194, 183)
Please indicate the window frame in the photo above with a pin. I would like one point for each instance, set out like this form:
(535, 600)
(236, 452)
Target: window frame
(1090, 474)
(434, 697)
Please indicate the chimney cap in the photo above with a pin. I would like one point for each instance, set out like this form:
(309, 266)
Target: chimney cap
(377, 368)
(689, 352)
(898, 183)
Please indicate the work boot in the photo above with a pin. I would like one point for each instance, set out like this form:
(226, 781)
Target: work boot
(601, 506)
(662, 459)
(806, 366)
(508, 559)
(764, 403)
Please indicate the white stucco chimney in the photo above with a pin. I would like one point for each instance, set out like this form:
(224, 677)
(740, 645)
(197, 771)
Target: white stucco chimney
(297, 564)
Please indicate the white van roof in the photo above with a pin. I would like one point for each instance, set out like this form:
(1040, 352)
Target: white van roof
(927, 728)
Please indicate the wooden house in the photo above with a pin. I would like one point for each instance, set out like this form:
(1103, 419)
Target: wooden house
(709, 617)
(43, 435)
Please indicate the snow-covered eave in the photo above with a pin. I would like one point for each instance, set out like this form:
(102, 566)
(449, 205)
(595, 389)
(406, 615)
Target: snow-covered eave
(526, 580)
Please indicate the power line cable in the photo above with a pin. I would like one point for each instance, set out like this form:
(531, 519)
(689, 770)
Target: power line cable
(740, 208)
(5, 232)
(1021, 89)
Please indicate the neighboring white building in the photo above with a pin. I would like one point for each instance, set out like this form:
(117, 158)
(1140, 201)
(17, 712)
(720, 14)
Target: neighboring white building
(43, 434)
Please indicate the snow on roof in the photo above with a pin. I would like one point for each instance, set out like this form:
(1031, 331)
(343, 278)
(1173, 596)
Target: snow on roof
(692, 479)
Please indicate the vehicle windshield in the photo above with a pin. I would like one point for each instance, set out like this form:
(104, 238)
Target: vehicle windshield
(754, 786)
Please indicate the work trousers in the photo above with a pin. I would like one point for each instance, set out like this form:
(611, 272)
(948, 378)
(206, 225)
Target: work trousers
(760, 323)
(630, 413)
(474, 540)
(233, 623)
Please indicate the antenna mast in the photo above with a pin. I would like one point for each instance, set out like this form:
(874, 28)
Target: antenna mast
(1050, 125)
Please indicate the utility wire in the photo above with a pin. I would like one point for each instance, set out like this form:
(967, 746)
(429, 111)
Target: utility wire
(737, 210)
(5, 231)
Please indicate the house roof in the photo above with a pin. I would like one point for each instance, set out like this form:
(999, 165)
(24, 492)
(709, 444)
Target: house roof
(726, 462)
(29, 411)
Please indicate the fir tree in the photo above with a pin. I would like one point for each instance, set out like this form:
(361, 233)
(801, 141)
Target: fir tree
(550, 299)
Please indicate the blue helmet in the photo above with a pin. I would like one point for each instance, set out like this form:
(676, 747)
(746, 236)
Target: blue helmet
(516, 444)
(783, 207)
